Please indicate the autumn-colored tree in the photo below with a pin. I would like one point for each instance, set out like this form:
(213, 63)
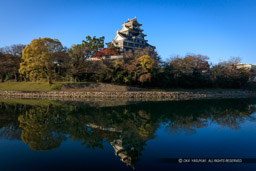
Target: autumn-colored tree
(109, 51)
(146, 65)
(37, 124)
(146, 62)
(39, 59)
(191, 64)
(134, 69)
(226, 74)
(192, 71)
(112, 50)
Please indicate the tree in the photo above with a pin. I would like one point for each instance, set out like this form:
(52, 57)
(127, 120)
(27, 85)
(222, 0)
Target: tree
(10, 58)
(8, 65)
(191, 64)
(80, 68)
(109, 51)
(134, 69)
(146, 66)
(15, 50)
(188, 72)
(146, 62)
(77, 65)
(40, 128)
(39, 59)
(92, 45)
(226, 74)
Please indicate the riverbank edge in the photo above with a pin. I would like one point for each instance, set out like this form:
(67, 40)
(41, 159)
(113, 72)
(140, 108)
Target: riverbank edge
(128, 95)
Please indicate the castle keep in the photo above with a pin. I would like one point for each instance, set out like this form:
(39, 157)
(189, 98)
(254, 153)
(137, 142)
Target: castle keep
(131, 37)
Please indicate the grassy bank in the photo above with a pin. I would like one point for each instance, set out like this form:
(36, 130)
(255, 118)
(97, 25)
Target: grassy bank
(56, 86)
(31, 86)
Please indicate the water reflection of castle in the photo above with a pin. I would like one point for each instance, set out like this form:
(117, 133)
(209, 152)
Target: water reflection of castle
(125, 128)
(127, 155)
(121, 152)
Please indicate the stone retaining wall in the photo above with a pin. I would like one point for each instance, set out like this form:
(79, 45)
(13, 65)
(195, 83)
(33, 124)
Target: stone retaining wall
(136, 95)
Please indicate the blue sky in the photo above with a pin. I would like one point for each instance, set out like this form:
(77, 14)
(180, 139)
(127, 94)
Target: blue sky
(216, 28)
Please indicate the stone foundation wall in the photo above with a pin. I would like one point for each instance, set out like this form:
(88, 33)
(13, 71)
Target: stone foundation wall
(135, 95)
(98, 87)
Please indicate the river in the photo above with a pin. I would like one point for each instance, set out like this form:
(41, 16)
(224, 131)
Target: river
(120, 135)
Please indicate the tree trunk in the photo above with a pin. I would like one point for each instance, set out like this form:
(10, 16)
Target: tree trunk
(50, 80)
(16, 77)
(2, 78)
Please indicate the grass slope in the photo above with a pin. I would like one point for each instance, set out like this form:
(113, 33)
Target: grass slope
(56, 86)
(31, 86)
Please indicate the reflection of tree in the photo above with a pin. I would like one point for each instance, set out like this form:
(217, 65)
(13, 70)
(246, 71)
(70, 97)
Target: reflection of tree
(225, 113)
(126, 128)
(137, 127)
(40, 129)
(187, 125)
(86, 135)
(9, 125)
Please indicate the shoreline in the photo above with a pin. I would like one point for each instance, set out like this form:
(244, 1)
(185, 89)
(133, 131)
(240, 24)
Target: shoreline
(127, 95)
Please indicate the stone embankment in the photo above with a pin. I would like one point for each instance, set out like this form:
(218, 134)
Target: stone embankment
(128, 95)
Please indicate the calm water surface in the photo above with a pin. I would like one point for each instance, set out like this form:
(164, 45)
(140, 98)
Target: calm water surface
(115, 135)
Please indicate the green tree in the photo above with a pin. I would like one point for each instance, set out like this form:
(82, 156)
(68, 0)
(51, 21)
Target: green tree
(77, 64)
(92, 45)
(80, 68)
(39, 59)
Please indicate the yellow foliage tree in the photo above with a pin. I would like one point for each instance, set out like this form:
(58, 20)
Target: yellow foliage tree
(147, 62)
(37, 126)
(38, 59)
(147, 65)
